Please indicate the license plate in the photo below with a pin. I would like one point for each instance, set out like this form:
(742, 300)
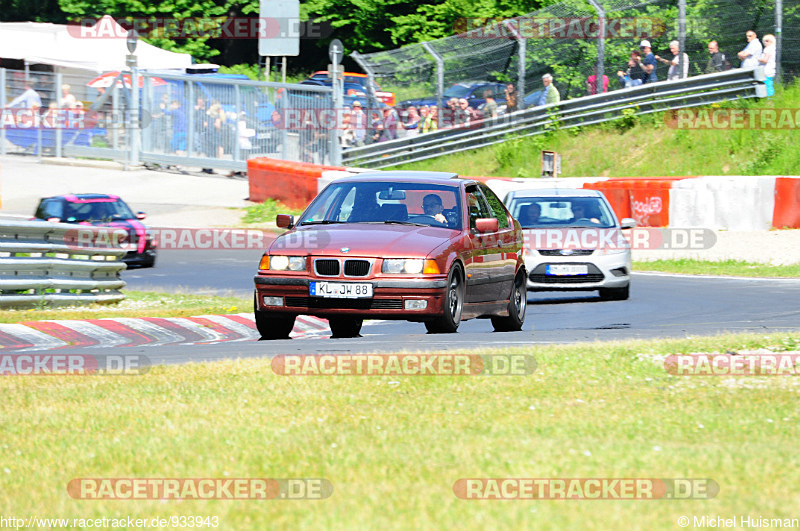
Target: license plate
(560, 270)
(341, 290)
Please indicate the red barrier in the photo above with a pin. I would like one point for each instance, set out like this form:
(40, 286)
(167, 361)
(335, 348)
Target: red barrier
(644, 199)
(292, 183)
(786, 213)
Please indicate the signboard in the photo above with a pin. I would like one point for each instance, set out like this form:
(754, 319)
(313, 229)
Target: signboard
(280, 24)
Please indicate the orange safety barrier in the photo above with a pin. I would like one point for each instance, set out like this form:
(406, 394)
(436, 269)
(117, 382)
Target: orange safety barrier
(786, 213)
(292, 183)
(644, 199)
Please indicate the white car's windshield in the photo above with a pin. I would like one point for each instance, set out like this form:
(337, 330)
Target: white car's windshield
(386, 202)
(546, 212)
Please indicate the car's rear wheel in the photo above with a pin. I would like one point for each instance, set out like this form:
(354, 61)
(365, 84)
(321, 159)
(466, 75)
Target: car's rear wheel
(272, 326)
(345, 326)
(615, 294)
(517, 306)
(453, 304)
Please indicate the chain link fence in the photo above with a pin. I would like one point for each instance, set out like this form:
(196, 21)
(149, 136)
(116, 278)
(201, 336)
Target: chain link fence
(560, 40)
(184, 120)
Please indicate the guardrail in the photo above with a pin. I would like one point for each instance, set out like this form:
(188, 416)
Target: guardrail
(42, 264)
(644, 99)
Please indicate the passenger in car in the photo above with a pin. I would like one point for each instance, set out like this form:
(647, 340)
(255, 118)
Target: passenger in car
(530, 215)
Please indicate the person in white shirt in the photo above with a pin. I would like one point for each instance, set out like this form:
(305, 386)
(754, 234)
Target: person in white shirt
(67, 100)
(27, 99)
(358, 121)
(768, 60)
(673, 72)
(749, 56)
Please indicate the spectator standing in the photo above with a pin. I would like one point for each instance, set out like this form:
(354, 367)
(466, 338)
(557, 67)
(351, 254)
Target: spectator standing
(550, 93)
(412, 122)
(673, 72)
(749, 56)
(490, 107)
(389, 125)
(591, 82)
(463, 113)
(176, 112)
(28, 98)
(511, 98)
(216, 126)
(649, 63)
(768, 60)
(431, 122)
(634, 75)
(717, 62)
(67, 100)
(358, 122)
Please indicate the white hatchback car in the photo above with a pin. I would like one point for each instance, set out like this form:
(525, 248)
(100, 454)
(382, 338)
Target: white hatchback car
(573, 241)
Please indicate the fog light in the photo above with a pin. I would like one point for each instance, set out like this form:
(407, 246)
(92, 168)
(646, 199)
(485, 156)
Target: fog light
(415, 304)
(273, 301)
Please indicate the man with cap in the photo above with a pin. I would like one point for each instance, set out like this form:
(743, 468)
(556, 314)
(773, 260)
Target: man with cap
(358, 122)
(649, 63)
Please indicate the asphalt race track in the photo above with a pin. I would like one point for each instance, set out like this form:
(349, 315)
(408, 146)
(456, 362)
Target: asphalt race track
(660, 306)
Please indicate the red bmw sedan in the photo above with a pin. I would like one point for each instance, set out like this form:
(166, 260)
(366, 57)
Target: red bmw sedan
(419, 246)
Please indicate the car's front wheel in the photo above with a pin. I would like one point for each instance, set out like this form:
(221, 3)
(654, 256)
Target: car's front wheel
(272, 326)
(517, 306)
(453, 304)
(615, 294)
(345, 326)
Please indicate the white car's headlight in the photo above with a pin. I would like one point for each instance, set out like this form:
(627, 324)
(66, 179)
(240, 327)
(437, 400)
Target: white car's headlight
(403, 265)
(287, 263)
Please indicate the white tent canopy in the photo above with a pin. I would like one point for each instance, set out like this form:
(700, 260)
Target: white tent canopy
(97, 51)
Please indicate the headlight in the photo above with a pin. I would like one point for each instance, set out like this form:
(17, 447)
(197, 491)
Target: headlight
(412, 266)
(287, 263)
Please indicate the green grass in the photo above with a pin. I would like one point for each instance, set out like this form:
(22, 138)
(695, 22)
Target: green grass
(739, 268)
(265, 212)
(639, 146)
(394, 450)
(137, 304)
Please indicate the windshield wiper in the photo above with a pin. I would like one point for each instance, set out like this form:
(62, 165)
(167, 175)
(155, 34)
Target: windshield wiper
(396, 222)
(321, 222)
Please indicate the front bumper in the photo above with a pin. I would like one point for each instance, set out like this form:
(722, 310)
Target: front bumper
(387, 302)
(608, 271)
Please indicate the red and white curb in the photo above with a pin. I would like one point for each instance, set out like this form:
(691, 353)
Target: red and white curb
(145, 331)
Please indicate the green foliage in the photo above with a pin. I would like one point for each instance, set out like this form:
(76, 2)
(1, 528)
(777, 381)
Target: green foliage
(265, 212)
(627, 120)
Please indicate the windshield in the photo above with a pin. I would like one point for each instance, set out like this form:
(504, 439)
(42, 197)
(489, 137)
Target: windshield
(386, 202)
(546, 212)
(98, 211)
(457, 91)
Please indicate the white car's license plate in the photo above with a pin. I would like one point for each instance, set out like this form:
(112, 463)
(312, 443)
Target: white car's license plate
(341, 290)
(561, 270)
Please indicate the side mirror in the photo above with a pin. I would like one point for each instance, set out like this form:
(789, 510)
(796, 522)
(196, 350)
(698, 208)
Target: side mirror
(284, 221)
(141, 215)
(628, 223)
(483, 225)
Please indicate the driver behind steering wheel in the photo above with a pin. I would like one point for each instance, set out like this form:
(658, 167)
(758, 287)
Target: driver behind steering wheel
(432, 206)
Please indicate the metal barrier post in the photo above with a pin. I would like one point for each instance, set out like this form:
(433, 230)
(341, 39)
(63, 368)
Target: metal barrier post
(778, 39)
(3, 101)
(60, 110)
(134, 133)
(439, 80)
(681, 35)
(601, 46)
(237, 104)
(521, 54)
(372, 100)
(190, 121)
